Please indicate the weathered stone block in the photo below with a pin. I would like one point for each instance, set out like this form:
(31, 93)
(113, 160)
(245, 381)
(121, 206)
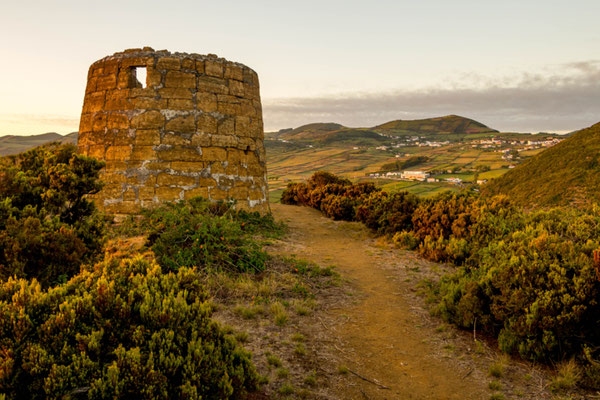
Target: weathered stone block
(196, 192)
(143, 153)
(209, 84)
(157, 165)
(242, 126)
(121, 137)
(177, 79)
(181, 104)
(165, 179)
(183, 124)
(236, 88)
(124, 207)
(206, 102)
(149, 103)
(200, 66)
(188, 63)
(239, 193)
(213, 68)
(215, 193)
(120, 153)
(112, 191)
(130, 194)
(118, 121)
(118, 101)
(227, 108)
(115, 165)
(168, 193)
(235, 156)
(206, 124)
(180, 154)
(85, 124)
(255, 194)
(201, 139)
(154, 78)
(142, 92)
(225, 182)
(172, 63)
(226, 126)
(147, 137)
(148, 120)
(175, 139)
(234, 72)
(214, 154)
(216, 167)
(94, 102)
(231, 169)
(175, 93)
(106, 82)
(188, 166)
(96, 151)
(99, 123)
(224, 140)
(207, 182)
(146, 193)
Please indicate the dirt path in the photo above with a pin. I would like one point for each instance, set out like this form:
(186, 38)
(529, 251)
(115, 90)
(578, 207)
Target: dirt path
(383, 336)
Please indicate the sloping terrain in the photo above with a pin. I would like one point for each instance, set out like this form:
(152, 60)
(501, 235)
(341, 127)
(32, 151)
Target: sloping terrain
(13, 144)
(310, 131)
(449, 124)
(565, 174)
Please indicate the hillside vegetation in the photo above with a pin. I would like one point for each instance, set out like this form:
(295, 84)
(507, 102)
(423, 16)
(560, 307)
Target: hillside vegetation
(529, 279)
(565, 174)
(143, 308)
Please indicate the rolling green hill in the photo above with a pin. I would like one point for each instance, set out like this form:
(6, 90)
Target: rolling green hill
(13, 144)
(310, 131)
(449, 124)
(565, 174)
(451, 127)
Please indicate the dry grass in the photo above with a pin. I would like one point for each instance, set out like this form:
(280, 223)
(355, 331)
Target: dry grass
(567, 376)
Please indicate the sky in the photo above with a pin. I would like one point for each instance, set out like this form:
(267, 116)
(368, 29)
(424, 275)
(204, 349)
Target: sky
(527, 65)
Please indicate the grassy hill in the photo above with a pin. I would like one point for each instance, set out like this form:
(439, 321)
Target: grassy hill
(447, 125)
(565, 174)
(311, 131)
(12, 144)
(452, 127)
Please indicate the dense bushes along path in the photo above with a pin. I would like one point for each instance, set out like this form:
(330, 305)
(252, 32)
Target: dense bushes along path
(387, 340)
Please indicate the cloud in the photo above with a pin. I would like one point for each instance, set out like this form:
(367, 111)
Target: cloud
(564, 98)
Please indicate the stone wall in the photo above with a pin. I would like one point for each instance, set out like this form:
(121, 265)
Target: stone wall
(195, 129)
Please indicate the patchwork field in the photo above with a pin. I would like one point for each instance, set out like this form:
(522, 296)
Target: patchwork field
(292, 161)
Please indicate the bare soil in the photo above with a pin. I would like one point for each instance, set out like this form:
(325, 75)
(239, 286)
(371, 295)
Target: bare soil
(379, 340)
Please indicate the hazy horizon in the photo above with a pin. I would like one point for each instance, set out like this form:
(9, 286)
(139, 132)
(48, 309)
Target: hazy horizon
(524, 66)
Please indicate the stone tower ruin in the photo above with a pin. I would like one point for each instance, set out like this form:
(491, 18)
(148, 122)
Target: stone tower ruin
(193, 127)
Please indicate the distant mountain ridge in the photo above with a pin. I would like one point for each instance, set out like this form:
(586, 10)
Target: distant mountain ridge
(449, 125)
(567, 173)
(13, 144)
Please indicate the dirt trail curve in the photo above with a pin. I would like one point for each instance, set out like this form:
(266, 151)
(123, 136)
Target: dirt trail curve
(384, 337)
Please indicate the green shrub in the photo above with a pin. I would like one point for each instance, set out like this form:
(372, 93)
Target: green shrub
(48, 227)
(190, 234)
(405, 239)
(536, 288)
(120, 330)
(387, 213)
